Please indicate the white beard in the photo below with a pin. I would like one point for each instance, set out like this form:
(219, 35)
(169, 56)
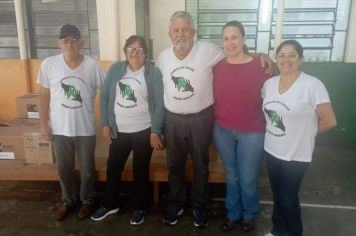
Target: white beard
(181, 45)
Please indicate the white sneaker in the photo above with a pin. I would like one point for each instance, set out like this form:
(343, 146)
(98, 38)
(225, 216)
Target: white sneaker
(269, 234)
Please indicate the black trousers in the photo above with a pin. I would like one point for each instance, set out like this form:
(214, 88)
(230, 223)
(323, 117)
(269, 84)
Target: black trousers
(120, 148)
(188, 133)
(285, 178)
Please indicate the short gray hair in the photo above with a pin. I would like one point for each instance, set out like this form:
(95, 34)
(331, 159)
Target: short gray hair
(184, 15)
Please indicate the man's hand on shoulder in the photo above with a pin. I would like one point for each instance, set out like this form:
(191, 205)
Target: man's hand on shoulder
(266, 62)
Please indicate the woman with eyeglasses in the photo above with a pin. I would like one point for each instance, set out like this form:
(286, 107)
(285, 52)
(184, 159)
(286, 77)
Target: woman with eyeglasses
(297, 108)
(131, 109)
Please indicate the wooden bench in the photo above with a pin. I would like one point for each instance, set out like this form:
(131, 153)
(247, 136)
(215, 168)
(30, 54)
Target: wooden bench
(19, 170)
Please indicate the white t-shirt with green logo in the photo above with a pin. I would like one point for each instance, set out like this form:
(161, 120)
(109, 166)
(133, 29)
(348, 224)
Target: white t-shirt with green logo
(72, 94)
(188, 83)
(291, 119)
(131, 102)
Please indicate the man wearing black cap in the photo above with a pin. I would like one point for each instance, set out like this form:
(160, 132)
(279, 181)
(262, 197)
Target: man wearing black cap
(67, 94)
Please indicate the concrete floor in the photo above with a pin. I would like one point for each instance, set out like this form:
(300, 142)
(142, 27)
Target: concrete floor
(328, 195)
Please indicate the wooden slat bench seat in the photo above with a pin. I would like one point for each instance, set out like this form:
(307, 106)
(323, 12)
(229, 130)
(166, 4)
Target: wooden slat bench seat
(19, 170)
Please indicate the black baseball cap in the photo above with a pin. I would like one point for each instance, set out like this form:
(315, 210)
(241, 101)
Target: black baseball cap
(69, 30)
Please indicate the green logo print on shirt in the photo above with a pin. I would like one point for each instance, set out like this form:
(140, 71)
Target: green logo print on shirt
(276, 120)
(127, 92)
(71, 92)
(182, 84)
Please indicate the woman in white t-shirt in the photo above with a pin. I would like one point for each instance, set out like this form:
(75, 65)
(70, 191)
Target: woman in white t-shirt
(297, 107)
(131, 115)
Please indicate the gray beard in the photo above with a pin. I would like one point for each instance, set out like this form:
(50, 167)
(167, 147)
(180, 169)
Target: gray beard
(181, 45)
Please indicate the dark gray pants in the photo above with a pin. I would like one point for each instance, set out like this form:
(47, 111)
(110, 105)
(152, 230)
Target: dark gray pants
(188, 133)
(65, 149)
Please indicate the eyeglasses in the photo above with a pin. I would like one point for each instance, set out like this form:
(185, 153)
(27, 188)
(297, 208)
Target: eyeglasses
(69, 40)
(132, 50)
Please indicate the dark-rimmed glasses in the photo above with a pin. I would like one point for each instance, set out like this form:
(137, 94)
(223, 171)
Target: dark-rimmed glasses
(133, 50)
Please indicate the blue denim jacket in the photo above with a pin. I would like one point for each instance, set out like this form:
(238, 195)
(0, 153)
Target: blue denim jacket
(153, 78)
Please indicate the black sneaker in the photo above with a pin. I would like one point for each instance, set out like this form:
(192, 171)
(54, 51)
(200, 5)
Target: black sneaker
(102, 212)
(171, 217)
(200, 218)
(138, 217)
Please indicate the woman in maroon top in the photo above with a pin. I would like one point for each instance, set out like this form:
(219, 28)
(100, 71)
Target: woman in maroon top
(239, 126)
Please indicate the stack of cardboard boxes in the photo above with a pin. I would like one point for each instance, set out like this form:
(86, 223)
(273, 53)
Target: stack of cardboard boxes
(21, 139)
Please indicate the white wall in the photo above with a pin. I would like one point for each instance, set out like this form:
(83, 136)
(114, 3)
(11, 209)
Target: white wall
(108, 32)
(127, 22)
(160, 12)
(350, 55)
(116, 22)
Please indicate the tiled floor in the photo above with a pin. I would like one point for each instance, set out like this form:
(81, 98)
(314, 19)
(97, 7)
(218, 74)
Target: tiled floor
(328, 195)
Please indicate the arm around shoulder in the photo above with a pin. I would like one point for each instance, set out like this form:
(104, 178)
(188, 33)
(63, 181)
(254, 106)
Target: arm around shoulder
(266, 62)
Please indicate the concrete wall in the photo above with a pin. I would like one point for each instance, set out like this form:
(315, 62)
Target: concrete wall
(107, 11)
(340, 80)
(128, 27)
(116, 22)
(13, 83)
(159, 20)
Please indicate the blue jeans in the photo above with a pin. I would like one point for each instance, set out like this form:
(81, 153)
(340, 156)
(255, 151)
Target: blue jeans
(285, 178)
(241, 153)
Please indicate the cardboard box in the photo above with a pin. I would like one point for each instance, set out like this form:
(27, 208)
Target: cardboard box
(37, 149)
(11, 142)
(27, 106)
(21, 139)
